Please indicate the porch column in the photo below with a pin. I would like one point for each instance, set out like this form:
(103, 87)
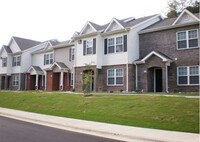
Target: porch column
(36, 82)
(61, 80)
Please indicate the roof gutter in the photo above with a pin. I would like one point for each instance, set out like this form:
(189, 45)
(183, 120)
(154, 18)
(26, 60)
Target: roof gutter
(167, 27)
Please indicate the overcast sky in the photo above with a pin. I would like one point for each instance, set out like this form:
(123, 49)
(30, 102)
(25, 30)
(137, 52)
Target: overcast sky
(58, 19)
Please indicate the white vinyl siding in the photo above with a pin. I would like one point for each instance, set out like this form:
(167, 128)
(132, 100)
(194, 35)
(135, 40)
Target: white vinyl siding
(188, 75)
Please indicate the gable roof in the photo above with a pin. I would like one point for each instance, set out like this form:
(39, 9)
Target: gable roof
(169, 23)
(162, 56)
(7, 48)
(119, 23)
(36, 69)
(25, 43)
(60, 65)
(182, 13)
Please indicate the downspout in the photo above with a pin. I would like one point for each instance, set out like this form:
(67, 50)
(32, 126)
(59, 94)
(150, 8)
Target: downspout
(127, 83)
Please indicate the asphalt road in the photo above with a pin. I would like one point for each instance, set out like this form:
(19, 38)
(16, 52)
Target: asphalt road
(12, 130)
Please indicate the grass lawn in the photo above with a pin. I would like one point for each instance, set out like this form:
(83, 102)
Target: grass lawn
(160, 112)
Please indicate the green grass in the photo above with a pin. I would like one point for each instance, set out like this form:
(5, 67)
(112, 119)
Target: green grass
(160, 112)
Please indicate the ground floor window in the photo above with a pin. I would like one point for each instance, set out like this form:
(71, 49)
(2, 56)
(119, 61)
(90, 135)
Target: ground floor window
(15, 80)
(115, 77)
(72, 79)
(188, 75)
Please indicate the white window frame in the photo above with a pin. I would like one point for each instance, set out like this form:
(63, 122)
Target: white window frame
(15, 80)
(16, 60)
(89, 44)
(4, 62)
(187, 39)
(115, 77)
(115, 44)
(188, 75)
(50, 58)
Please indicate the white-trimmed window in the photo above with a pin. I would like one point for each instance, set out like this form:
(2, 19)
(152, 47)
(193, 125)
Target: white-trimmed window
(48, 59)
(187, 39)
(16, 61)
(4, 62)
(89, 47)
(72, 54)
(114, 77)
(15, 80)
(115, 45)
(188, 75)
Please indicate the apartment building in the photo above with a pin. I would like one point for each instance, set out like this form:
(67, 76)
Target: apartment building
(169, 55)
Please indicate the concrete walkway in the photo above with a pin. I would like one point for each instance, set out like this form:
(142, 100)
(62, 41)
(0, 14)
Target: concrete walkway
(119, 132)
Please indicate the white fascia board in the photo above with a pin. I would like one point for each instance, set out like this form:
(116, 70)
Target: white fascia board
(158, 15)
(87, 23)
(113, 20)
(185, 11)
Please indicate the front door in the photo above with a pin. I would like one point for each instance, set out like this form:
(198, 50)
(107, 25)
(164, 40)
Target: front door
(158, 80)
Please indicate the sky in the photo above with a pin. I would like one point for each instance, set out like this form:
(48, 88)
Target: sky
(43, 20)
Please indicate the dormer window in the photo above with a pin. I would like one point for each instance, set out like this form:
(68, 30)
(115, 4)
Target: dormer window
(4, 62)
(187, 39)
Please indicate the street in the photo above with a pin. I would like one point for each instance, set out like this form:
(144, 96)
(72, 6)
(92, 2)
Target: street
(12, 130)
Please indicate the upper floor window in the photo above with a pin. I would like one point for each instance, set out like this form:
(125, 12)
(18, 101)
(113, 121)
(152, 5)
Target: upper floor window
(4, 62)
(16, 61)
(15, 80)
(89, 46)
(48, 59)
(187, 39)
(71, 54)
(188, 75)
(115, 77)
(115, 44)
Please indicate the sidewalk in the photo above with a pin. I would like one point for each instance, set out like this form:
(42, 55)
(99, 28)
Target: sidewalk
(119, 132)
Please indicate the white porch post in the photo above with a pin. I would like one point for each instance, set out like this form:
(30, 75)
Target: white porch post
(36, 82)
(61, 80)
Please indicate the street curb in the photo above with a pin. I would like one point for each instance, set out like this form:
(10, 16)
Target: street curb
(118, 132)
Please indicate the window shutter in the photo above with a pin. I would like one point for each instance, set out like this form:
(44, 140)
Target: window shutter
(94, 46)
(19, 60)
(105, 46)
(13, 62)
(125, 43)
(70, 54)
(84, 47)
(44, 59)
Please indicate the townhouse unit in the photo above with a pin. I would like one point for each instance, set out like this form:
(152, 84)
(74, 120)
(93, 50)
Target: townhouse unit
(51, 67)
(169, 55)
(110, 50)
(15, 60)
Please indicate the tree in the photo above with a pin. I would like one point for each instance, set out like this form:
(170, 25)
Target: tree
(87, 79)
(177, 6)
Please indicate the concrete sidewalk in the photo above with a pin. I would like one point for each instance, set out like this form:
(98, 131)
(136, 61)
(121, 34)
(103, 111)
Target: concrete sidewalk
(119, 132)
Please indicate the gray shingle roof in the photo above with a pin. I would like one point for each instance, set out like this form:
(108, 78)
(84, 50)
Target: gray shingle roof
(62, 65)
(25, 43)
(36, 68)
(7, 48)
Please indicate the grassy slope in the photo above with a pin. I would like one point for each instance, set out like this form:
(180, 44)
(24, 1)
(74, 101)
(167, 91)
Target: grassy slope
(170, 113)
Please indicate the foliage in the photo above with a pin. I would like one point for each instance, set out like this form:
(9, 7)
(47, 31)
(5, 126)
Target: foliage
(150, 111)
(177, 6)
(87, 79)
